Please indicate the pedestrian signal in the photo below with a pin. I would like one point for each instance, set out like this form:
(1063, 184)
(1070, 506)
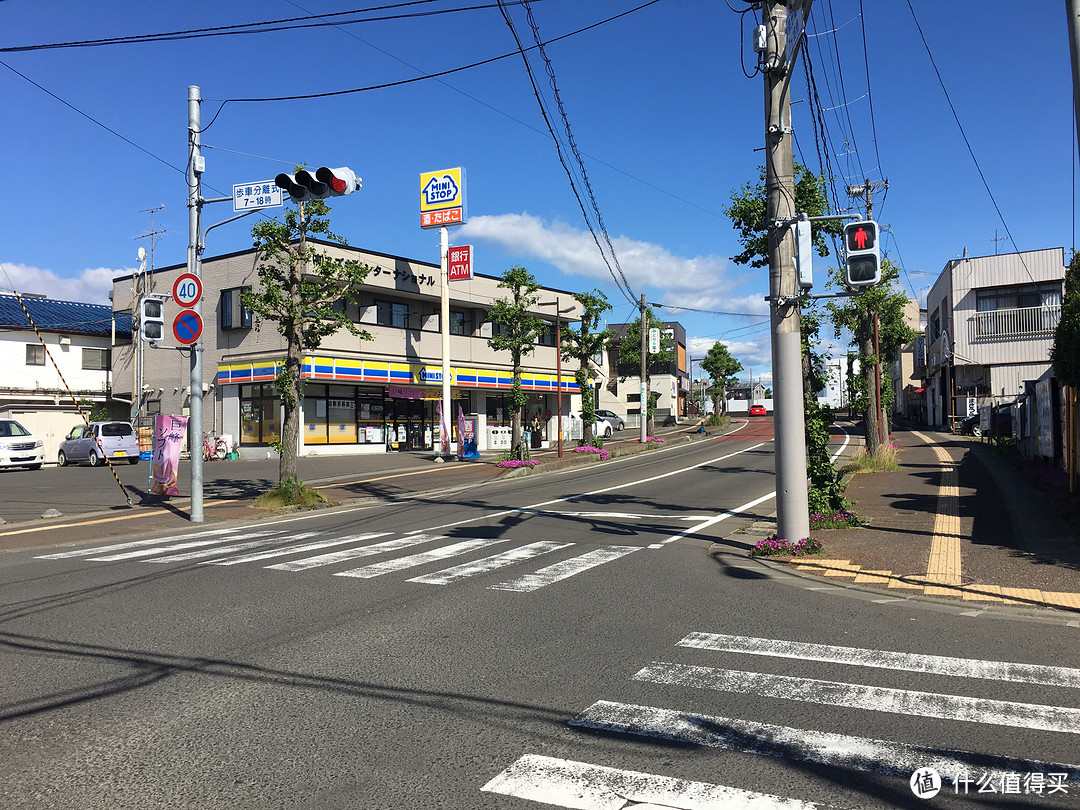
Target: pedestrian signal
(863, 266)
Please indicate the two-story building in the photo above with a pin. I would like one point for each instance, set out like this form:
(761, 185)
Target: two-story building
(360, 396)
(990, 326)
(623, 394)
(70, 362)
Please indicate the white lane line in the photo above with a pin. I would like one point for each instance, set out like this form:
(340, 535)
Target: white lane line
(534, 506)
(885, 659)
(564, 569)
(583, 786)
(611, 515)
(86, 552)
(284, 551)
(714, 520)
(803, 745)
(218, 551)
(412, 561)
(875, 698)
(492, 563)
(353, 553)
(153, 552)
(847, 438)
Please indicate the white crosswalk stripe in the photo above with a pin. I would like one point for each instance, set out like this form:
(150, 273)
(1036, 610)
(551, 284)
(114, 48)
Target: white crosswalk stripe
(581, 785)
(230, 547)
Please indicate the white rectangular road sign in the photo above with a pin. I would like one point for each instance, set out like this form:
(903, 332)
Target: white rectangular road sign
(260, 194)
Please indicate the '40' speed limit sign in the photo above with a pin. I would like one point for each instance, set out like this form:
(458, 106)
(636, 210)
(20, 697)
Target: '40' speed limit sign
(187, 289)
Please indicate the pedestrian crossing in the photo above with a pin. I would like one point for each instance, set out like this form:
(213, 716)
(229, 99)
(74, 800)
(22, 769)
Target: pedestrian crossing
(282, 550)
(897, 766)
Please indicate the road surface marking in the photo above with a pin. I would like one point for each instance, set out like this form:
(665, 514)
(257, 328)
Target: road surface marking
(804, 745)
(613, 488)
(202, 554)
(86, 552)
(875, 698)
(581, 785)
(151, 552)
(565, 569)
(353, 553)
(884, 659)
(400, 564)
(713, 520)
(492, 563)
(284, 551)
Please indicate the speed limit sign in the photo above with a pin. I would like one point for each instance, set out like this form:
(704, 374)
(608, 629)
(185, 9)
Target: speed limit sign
(187, 289)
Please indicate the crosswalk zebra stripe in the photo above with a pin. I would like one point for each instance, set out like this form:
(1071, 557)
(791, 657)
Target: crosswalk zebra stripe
(283, 551)
(885, 659)
(86, 552)
(353, 553)
(151, 552)
(492, 563)
(818, 747)
(876, 698)
(581, 785)
(565, 568)
(202, 554)
(400, 564)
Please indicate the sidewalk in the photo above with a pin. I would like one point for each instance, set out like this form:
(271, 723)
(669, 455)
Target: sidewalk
(956, 520)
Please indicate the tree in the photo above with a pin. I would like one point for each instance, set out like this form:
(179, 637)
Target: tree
(857, 316)
(301, 290)
(583, 344)
(1065, 353)
(629, 362)
(722, 368)
(517, 332)
(747, 213)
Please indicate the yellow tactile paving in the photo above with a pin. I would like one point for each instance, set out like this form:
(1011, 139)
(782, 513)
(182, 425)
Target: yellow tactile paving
(873, 577)
(1059, 599)
(1021, 596)
(982, 593)
(818, 564)
(896, 582)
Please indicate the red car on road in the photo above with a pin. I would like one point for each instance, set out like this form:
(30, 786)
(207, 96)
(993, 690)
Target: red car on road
(757, 410)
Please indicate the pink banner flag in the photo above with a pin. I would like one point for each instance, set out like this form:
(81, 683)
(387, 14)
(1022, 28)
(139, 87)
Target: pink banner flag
(168, 439)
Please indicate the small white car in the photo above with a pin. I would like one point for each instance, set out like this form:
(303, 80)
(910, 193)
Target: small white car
(19, 447)
(607, 422)
(115, 440)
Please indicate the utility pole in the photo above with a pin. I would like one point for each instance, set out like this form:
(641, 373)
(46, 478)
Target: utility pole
(1072, 10)
(792, 512)
(141, 285)
(195, 202)
(642, 307)
(866, 191)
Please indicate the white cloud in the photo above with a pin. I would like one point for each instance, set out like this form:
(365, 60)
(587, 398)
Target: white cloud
(91, 286)
(700, 282)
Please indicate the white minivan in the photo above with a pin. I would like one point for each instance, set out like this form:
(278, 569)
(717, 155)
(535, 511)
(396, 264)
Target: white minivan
(19, 447)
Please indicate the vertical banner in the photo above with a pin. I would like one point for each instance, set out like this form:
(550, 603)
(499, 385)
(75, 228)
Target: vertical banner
(444, 431)
(168, 439)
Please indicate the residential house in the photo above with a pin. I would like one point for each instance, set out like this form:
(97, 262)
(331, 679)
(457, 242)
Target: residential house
(671, 385)
(57, 353)
(990, 326)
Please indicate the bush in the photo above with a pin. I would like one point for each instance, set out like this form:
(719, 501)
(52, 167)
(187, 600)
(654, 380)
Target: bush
(290, 492)
(588, 448)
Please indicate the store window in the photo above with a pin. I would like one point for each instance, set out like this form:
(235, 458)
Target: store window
(260, 414)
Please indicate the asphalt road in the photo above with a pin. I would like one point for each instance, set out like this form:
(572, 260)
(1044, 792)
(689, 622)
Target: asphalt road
(589, 638)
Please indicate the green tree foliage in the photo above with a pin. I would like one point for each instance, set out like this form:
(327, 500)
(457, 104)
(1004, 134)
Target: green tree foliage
(747, 214)
(856, 314)
(517, 331)
(1065, 353)
(301, 290)
(582, 344)
(722, 368)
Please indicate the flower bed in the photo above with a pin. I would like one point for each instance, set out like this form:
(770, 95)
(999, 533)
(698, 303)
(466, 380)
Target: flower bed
(775, 547)
(588, 448)
(517, 463)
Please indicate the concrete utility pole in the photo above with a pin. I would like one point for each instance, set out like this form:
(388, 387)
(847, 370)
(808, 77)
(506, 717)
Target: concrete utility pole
(644, 369)
(792, 512)
(1072, 9)
(195, 201)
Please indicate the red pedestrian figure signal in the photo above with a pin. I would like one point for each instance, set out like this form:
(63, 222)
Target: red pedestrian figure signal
(863, 265)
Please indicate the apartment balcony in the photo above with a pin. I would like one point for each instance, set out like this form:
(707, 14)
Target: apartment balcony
(1006, 324)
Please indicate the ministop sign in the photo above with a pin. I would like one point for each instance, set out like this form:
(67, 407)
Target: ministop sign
(187, 289)
(442, 198)
(187, 327)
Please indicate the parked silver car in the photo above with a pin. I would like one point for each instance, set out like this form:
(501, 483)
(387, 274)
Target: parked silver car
(607, 422)
(19, 447)
(115, 440)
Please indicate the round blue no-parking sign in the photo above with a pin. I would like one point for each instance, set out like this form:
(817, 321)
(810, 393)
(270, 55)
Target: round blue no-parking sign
(187, 327)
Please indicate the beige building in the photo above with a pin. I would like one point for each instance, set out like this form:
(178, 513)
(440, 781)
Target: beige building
(360, 395)
(990, 326)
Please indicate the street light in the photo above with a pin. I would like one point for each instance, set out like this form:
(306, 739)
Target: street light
(558, 365)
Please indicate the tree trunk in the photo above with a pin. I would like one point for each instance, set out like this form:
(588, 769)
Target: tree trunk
(291, 401)
(869, 365)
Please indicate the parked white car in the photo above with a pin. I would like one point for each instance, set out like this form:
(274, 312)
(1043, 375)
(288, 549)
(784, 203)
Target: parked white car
(19, 447)
(115, 440)
(607, 422)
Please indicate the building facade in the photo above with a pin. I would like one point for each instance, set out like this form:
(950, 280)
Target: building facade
(69, 363)
(360, 395)
(990, 326)
(623, 394)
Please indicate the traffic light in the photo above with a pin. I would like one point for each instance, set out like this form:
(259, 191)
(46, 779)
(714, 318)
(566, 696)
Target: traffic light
(863, 268)
(152, 319)
(325, 182)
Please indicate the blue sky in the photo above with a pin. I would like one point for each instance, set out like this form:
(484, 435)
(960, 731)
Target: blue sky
(662, 113)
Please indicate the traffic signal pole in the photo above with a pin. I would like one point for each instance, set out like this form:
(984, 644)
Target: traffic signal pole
(793, 519)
